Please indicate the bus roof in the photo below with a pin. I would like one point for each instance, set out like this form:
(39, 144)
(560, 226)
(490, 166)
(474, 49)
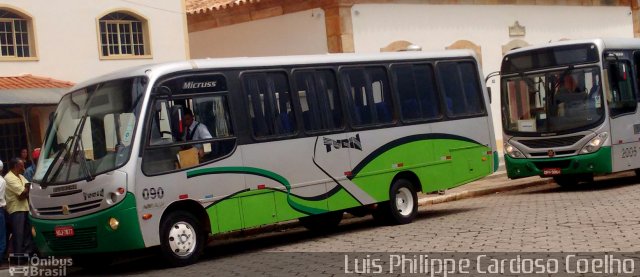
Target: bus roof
(155, 70)
(602, 43)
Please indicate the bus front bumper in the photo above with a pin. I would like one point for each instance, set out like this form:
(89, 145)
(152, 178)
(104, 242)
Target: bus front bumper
(91, 233)
(598, 162)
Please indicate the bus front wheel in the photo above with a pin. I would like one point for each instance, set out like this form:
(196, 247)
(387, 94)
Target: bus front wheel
(402, 205)
(182, 238)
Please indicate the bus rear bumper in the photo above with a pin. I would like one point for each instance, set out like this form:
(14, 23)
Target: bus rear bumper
(92, 233)
(598, 162)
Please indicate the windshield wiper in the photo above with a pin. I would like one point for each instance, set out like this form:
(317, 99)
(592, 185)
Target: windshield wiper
(57, 163)
(84, 164)
(60, 159)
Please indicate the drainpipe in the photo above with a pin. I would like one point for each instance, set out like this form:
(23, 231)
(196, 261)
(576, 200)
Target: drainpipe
(27, 119)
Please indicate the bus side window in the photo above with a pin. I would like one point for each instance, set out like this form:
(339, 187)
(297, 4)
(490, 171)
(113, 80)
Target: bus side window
(369, 95)
(319, 100)
(621, 97)
(417, 91)
(160, 126)
(269, 100)
(462, 96)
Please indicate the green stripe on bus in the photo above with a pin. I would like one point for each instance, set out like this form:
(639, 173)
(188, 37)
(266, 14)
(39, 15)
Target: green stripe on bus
(259, 172)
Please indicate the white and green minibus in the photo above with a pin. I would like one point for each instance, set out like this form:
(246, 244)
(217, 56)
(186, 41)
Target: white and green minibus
(570, 109)
(296, 137)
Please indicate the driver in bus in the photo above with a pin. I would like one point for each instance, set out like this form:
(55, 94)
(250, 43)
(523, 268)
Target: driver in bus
(194, 130)
(569, 96)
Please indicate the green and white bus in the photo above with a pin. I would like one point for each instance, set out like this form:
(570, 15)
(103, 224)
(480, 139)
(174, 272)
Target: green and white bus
(570, 109)
(298, 137)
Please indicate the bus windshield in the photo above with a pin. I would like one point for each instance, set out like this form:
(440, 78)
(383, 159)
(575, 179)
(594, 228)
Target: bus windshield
(554, 101)
(91, 131)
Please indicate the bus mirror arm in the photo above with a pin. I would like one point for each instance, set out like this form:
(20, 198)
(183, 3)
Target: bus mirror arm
(163, 91)
(486, 79)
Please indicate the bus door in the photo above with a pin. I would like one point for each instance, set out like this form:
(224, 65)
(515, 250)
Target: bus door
(622, 99)
(190, 151)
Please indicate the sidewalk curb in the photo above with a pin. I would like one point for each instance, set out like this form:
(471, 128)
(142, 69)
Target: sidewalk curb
(480, 192)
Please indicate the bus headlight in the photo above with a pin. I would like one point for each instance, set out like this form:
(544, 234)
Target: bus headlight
(595, 143)
(512, 151)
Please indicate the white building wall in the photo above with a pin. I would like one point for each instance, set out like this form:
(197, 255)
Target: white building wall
(291, 34)
(435, 27)
(67, 36)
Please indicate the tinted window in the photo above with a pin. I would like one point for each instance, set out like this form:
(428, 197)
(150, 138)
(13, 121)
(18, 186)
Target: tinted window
(472, 91)
(621, 96)
(319, 100)
(462, 95)
(269, 104)
(369, 95)
(417, 91)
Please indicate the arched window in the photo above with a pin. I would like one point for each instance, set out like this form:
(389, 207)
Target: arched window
(123, 35)
(16, 39)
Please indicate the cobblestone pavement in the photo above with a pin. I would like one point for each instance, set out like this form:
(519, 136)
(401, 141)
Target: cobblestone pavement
(602, 216)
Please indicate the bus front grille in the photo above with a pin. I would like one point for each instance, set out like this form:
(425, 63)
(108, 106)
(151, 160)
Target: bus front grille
(551, 142)
(553, 164)
(75, 208)
(557, 153)
(83, 238)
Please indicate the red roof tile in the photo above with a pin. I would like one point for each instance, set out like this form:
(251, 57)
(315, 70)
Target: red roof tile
(201, 6)
(29, 81)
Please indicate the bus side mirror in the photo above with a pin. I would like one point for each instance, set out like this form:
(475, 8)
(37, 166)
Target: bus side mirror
(489, 93)
(622, 71)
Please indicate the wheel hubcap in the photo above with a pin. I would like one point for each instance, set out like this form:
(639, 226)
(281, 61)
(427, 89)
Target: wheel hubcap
(182, 239)
(404, 201)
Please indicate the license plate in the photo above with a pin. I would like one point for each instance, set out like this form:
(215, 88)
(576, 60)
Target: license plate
(64, 231)
(551, 171)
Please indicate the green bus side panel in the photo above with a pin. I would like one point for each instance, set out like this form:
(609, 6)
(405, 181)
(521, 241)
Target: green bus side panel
(470, 163)
(261, 207)
(435, 177)
(438, 163)
(342, 200)
(92, 233)
(258, 209)
(599, 162)
(284, 210)
(227, 215)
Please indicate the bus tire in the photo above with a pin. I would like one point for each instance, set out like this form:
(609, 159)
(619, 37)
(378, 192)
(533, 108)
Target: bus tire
(182, 238)
(402, 206)
(321, 222)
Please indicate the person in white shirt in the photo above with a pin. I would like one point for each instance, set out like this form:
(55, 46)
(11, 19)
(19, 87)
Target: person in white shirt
(3, 226)
(194, 130)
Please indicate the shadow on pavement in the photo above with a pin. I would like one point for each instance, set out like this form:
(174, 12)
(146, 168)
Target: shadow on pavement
(600, 184)
(148, 260)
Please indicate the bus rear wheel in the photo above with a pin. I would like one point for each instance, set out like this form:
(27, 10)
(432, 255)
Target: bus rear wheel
(182, 238)
(402, 206)
(322, 222)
